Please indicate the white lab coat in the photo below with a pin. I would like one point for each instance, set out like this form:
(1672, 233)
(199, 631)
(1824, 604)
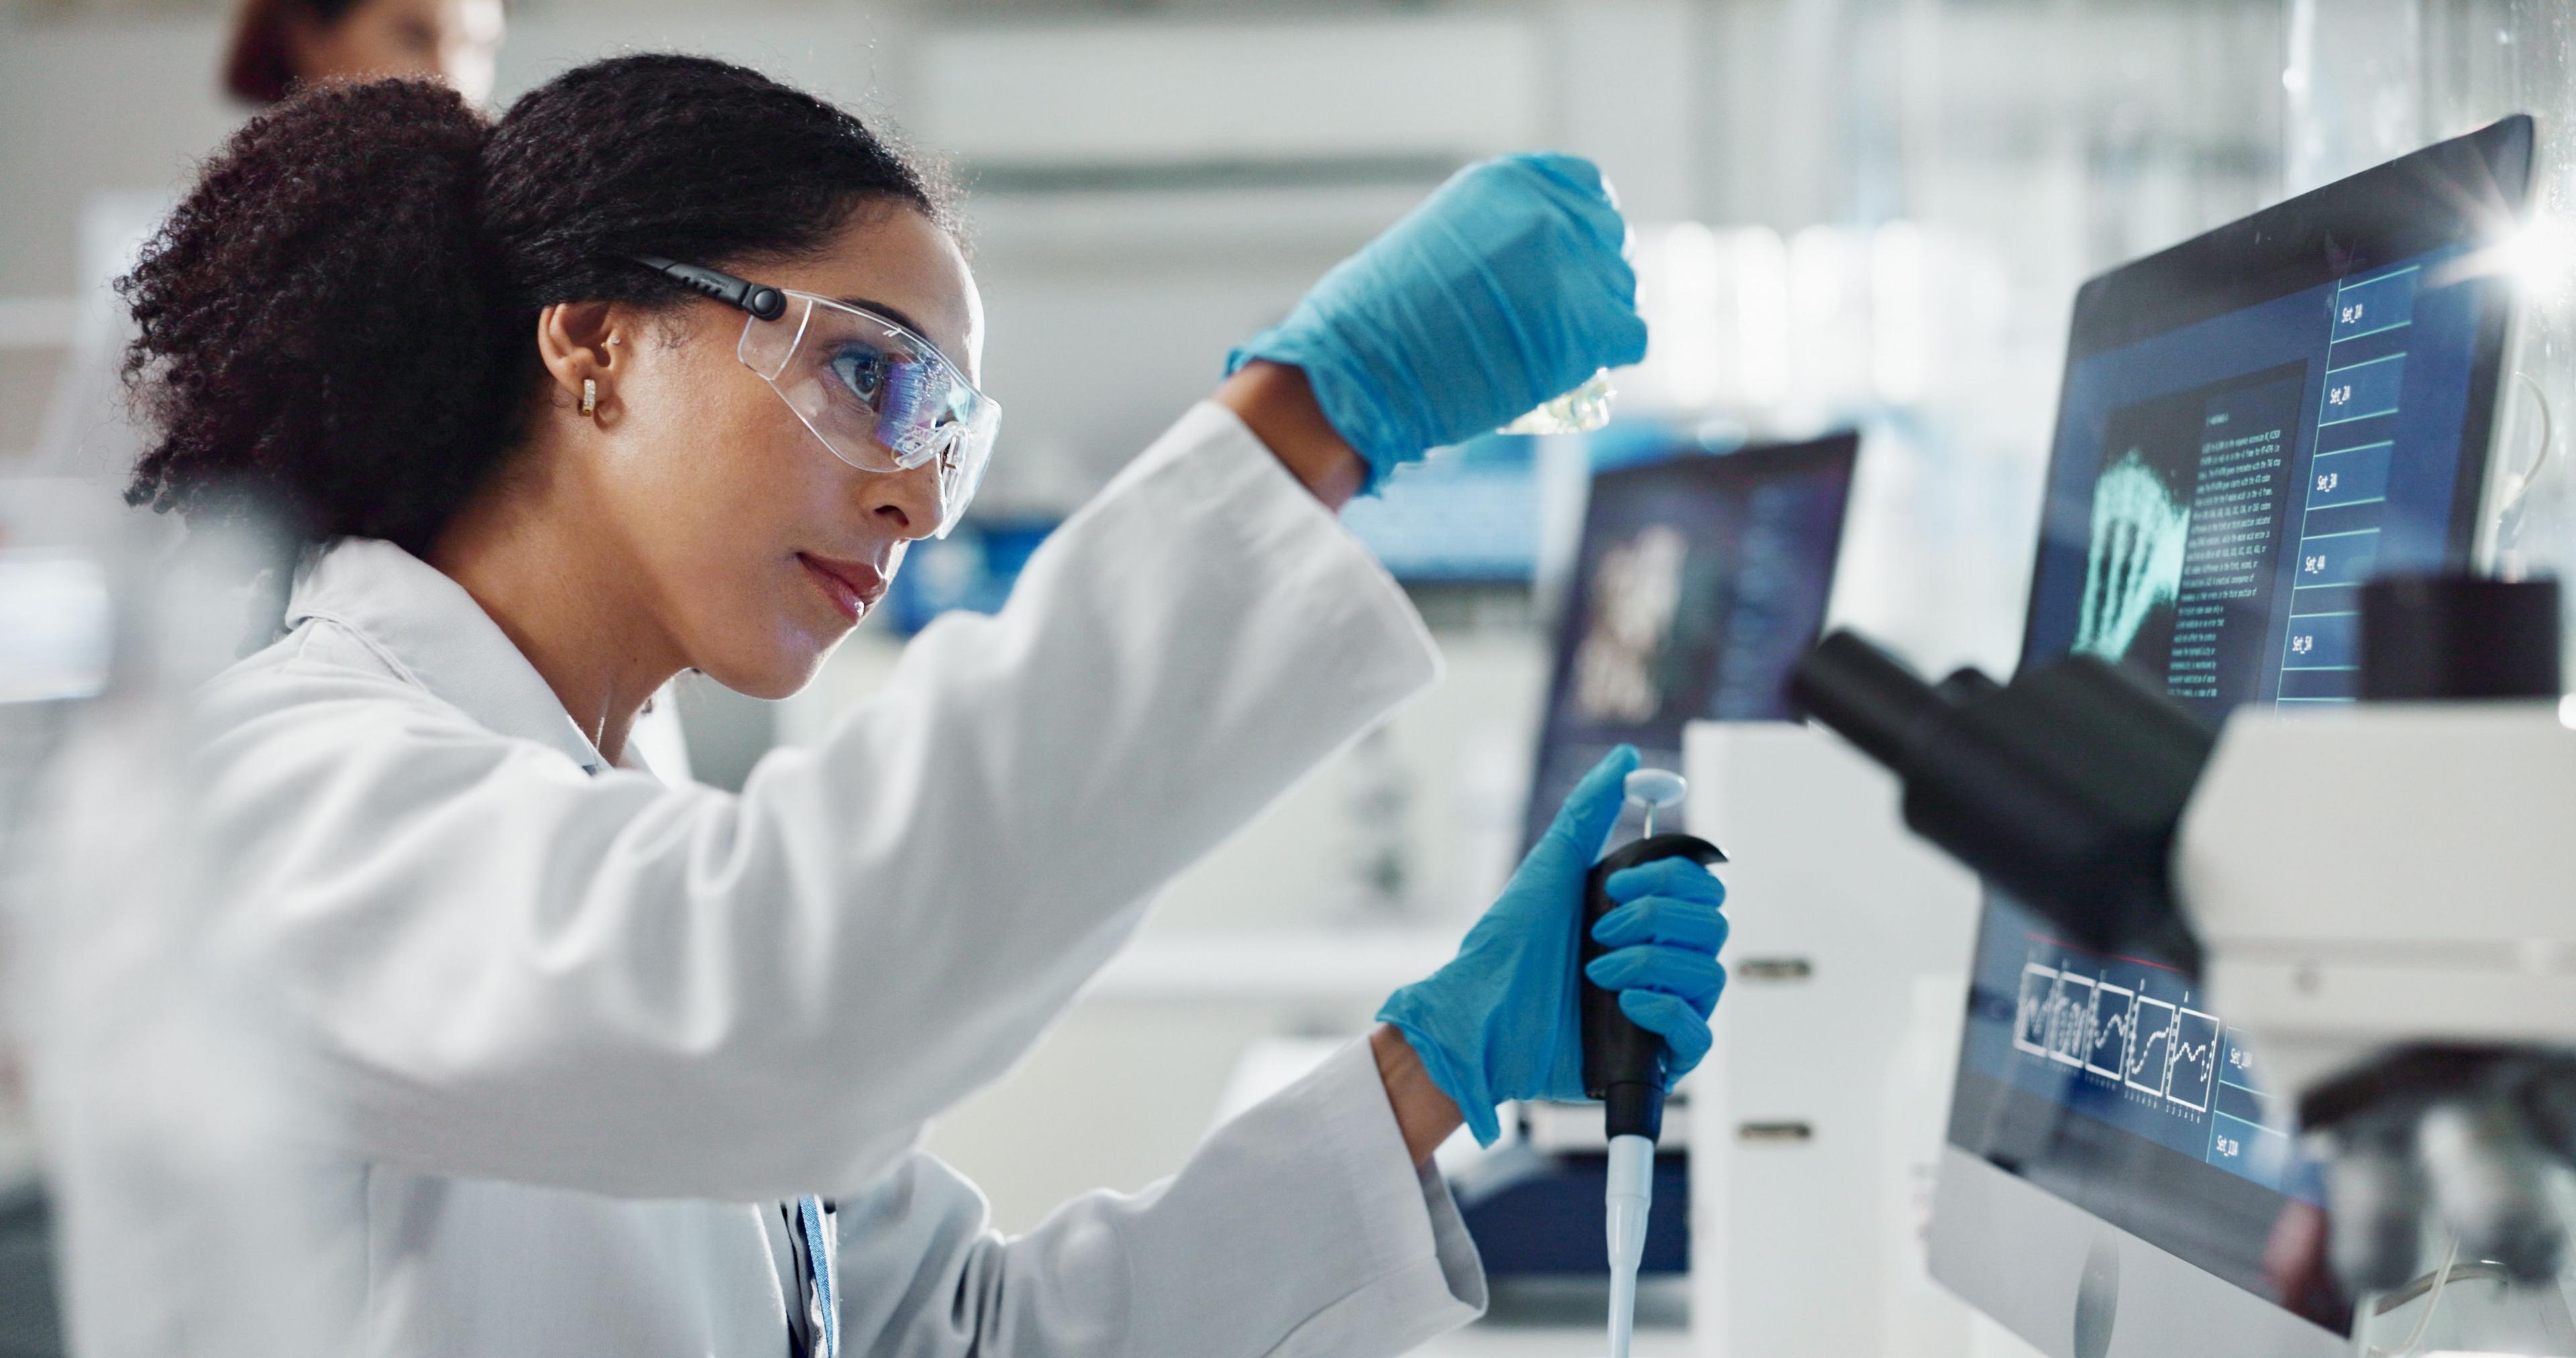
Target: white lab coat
(585, 1031)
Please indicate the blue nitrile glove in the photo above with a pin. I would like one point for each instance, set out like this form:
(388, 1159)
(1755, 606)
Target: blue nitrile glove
(1503, 290)
(1501, 1020)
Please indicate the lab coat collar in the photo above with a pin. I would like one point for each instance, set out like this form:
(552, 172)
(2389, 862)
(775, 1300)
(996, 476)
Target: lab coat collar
(432, 634)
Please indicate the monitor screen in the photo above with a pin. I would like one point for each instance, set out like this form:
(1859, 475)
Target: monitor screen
(1469, 514)
(2251, 425)
(1699, 582)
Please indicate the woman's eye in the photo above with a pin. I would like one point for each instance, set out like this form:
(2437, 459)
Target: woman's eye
(861, 370)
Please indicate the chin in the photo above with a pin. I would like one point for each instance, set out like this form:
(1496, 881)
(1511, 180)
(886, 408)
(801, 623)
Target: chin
(790, 678)
(781, 671)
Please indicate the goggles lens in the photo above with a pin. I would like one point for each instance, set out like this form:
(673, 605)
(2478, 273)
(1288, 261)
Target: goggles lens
(881, 397)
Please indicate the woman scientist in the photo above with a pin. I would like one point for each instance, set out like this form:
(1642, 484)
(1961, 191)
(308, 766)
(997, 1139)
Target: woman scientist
(663, 371)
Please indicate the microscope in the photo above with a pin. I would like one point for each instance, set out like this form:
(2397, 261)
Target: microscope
(2382, 894)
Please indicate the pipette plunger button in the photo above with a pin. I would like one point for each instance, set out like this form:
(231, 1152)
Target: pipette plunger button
(1657, 788)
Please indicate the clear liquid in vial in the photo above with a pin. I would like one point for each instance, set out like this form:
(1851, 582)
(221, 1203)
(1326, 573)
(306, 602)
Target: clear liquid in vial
(1579, 411)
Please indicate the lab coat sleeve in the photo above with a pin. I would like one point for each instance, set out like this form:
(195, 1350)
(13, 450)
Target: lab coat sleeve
(520, 972)
(1300, 1228)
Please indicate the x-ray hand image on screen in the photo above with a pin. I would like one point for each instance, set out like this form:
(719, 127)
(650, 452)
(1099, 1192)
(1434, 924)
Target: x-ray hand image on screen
(2134, 565)
(2186, 516)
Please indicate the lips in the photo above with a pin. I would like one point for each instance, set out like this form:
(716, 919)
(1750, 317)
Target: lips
(853, 587)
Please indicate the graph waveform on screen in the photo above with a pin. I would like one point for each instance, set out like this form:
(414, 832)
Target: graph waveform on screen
(2112, 1035)
(2155, 1047)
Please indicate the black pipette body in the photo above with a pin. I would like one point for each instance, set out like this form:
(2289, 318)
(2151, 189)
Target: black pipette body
(1624, 1065)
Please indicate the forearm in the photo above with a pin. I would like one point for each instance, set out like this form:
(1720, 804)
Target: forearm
(1296, 1230)
(1274, 401)
(1424, 1114)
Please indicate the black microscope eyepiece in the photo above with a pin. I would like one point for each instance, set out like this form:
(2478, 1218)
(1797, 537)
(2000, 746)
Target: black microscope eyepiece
(2063, 788)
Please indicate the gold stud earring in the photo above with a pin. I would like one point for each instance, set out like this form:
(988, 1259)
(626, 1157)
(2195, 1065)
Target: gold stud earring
(589, 395)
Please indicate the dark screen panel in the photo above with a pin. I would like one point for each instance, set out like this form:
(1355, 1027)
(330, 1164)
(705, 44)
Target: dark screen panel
(1699, 582)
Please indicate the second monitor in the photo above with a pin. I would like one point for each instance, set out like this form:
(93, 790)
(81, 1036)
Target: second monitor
(1700, 581)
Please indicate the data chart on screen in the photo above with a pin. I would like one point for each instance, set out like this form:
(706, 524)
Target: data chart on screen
(2135, 1032)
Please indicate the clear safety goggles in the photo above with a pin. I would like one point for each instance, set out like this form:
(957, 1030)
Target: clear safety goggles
(878, 394)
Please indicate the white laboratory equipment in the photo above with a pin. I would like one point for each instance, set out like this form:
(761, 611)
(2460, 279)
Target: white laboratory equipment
(2375, 900)
(2262, 431)
(1826, 1087)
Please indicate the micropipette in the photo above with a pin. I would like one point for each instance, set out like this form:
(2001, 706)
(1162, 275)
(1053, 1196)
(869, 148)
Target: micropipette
(1623, 1064)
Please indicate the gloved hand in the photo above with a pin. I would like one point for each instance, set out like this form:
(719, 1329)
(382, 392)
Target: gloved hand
(1500, 1020)
(1503, 290)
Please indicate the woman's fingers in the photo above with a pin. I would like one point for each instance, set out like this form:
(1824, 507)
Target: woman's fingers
(1692, 976)
(1683, 1029)
(1679, 878)
(1663, 920)
(1664, 939)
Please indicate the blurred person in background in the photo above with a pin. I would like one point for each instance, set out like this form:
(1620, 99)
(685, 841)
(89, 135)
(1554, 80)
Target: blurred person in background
(277, 47)
(176, 1145)
(281, 45)
(664, 371)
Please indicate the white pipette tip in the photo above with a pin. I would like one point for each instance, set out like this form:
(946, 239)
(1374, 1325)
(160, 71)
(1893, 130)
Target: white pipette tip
(1630, 1195)
(1631, 1191)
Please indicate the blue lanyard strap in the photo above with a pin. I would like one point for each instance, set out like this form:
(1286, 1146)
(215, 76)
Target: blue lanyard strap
(816, 1224)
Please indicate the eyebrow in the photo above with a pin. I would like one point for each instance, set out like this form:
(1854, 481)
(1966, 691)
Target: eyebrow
(890, 313)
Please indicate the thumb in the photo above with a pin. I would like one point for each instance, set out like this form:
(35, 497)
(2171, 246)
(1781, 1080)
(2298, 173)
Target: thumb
(1574, 838)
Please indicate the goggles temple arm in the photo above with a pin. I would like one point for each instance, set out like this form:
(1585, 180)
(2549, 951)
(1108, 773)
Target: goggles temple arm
(761, 300)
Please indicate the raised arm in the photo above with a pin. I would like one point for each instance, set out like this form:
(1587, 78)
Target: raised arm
(520, 972)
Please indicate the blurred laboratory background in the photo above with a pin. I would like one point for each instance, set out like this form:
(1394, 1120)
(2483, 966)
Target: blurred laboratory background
(1862, 215)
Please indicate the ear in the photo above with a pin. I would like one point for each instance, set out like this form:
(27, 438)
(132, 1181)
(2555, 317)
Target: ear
(587, 341)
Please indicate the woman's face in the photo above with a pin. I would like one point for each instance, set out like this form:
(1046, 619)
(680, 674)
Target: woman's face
(760, 547)
(456, 41)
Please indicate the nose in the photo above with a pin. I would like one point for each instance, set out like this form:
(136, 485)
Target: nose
(906, 501)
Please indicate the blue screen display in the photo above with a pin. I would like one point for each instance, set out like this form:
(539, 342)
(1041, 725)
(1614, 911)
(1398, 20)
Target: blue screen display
(2217, 496)
(2217, 493)
(2255, 422)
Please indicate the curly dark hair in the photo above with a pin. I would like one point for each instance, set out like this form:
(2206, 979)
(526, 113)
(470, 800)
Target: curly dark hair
(337, 320)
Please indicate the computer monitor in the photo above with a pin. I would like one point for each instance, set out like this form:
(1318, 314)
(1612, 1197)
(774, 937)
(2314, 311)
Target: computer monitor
(1699, 582)
(1467, 516)
(2251, 424)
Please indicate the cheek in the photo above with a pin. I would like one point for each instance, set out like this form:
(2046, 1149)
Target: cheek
(380, 50)
(727, 482)
(763, 467)
(710, 438)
